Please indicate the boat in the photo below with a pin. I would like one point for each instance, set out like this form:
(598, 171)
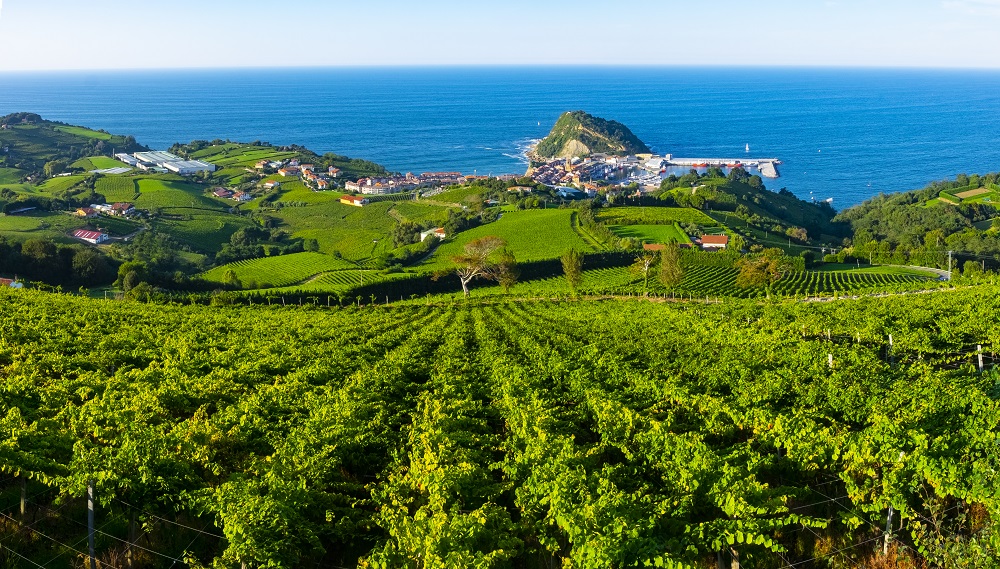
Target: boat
(748, 147)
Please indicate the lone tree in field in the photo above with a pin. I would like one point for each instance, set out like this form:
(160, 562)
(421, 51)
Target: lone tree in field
(763, 270)
(475, 261)
(643, 264)
(507, 271)
(671, 272)
(572, 264)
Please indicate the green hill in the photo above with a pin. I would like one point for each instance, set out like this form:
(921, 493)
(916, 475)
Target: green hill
(578, 134)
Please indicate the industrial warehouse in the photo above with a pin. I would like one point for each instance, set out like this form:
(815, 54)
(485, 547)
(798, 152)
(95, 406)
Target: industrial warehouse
(167, 162)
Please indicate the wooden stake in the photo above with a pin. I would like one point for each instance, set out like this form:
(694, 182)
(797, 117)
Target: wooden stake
(90, 524)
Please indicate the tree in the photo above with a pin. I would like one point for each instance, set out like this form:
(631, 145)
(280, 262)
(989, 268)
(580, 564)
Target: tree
(507, 271)
(232, 279)
(738, 174)
(475, 262)
(762, 270)
(671, 272)
(643, 264)
(54, 168)
(572, 264)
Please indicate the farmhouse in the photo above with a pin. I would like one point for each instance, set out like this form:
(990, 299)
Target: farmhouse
(272, 185)
(222, 193)
(86, 212)
(242, 197)
(122, 209)
(714, 242)
(92, 237)
(334, 172)
(354, 200)
(437, 232)
(322, 184)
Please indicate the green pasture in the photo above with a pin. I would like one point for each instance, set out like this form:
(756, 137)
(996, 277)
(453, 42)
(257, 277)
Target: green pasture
(358, 233)
(654, 216)
(532, 235)
(156, 193)
(84, 132)
(652, 233)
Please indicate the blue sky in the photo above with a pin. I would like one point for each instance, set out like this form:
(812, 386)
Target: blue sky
(119, 34)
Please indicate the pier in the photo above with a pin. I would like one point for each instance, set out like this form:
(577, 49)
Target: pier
(766, 166)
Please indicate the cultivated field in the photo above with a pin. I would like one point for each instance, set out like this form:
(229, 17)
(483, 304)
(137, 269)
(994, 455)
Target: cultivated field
(98, 163)
(204, 230)
(278, 271)
(117, 188)
(156, 193)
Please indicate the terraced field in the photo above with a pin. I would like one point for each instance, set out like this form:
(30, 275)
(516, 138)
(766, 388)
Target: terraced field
(230, 155)
(279, 271)
(343, 281)
(60, 184)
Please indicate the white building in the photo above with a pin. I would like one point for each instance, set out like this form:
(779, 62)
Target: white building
(189, 167)
(92, 237)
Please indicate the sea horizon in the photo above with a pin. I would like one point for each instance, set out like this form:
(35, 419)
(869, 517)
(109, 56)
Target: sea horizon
(845, 133)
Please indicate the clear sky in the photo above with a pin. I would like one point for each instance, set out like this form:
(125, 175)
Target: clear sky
(120, 34)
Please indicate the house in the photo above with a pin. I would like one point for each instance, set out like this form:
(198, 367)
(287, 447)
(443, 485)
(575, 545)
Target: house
(520, 189)
(242, 197)
(334, 172)
(714, 242)
(11, 283)
(86, 212)
(92, 237)
(222, 193)
(322, 184)
(262, 164)
(436, 232)
(354, 200)
(272, 185)
(122, 209)
(307, 167)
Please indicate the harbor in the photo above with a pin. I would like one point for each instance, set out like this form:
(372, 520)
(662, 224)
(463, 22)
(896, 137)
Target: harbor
(768, 167)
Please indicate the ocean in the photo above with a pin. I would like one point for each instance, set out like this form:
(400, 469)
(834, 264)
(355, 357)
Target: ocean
(845, 134)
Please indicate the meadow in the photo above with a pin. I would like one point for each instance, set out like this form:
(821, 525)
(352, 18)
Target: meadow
(84, 132)
(60, 184)
(98, 163)
(206, 231)
(357, 233)
(654, 216)
(156, 193)
(532, 235)
(240, 155)
(10, 176)
(652, 233)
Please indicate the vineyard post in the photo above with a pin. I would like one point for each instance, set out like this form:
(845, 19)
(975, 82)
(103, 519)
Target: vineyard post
(90, 524)
(24, 495)
(890, 351)
(888, 532)
(979, 350)
(829, 359)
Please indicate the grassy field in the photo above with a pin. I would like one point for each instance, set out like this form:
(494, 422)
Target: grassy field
(98, 163)
(459, 195)
(358, 233)
(654, 216)
(61, 184)
(531, 235)
(652, 233)
(84, 132)
(419, 213)
(278, 271)
(117, 188)
(40, 225)
(205, 231)
(10, 176)
(156, 193)
(875, 270)
(294, 190)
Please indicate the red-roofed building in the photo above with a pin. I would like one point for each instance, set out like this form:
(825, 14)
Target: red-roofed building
(122, 209)
(92, 237)
(222, 193)
(714, 241)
